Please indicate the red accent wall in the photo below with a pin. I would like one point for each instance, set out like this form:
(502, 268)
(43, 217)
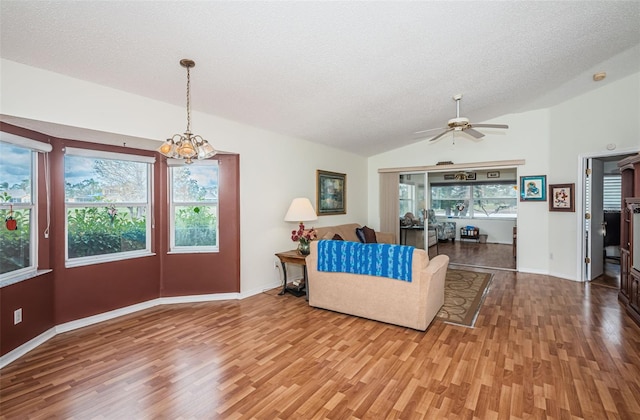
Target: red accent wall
(68, 294)
(192, 274)
(35, 297)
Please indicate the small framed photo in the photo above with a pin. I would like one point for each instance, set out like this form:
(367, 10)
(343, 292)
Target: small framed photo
(331, 193)
(533, 188)
(493, 174)
(471, 176)
(561, 197)
(449, 177)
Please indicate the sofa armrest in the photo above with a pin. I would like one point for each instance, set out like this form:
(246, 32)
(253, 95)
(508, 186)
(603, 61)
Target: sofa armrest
(435, 272)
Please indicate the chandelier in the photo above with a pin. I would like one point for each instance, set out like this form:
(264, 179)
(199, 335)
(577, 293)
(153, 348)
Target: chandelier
(187, 146)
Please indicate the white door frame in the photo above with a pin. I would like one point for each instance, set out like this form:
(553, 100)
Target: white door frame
(580, 210)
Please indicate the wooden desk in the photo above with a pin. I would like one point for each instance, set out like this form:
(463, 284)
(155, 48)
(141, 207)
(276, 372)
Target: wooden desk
(293, 257)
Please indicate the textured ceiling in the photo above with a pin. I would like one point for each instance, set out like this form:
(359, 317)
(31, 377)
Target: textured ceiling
(360, 76)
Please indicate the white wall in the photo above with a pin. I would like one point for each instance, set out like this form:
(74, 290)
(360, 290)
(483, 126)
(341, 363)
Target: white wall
(273, 168)
(585, 125)
(498, 231)
(525, 130)
(276, 168)
(551, 142)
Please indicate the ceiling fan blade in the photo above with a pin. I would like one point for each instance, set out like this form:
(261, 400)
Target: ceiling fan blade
(490, 125)
(431, 129)
(441, 134)
(473, 132)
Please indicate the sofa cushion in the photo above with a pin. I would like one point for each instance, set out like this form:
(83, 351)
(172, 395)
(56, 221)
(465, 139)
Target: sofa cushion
(360, 235)
(346, 231)
(366, 235)
(369, 235)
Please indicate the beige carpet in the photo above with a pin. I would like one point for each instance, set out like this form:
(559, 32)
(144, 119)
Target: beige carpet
(464, 292)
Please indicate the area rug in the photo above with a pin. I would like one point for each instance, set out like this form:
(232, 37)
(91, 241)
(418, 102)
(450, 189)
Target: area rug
(464, 292)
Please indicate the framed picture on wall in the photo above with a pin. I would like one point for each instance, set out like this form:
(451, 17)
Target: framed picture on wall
(493, 174)
(331, 193)
(561, 197)
(533, 188)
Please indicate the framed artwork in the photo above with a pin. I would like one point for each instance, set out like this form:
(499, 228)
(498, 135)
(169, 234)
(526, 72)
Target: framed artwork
(533, 188)
(561, 197)
(331, 193)
(471, 176)
(449, 176)
(493, 174)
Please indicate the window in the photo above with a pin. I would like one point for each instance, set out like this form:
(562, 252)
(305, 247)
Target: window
(490, 200)
(612, 194)
(193, 191)
(407, 194)
(17, 194)
(107, 205)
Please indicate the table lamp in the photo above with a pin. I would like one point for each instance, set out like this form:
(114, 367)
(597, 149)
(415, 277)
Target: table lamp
(300, 211)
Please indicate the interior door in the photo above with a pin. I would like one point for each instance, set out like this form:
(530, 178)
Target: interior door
(594, 219)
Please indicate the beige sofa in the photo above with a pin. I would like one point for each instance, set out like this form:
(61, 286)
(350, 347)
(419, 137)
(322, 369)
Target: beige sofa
(410, 304)
(348, 233)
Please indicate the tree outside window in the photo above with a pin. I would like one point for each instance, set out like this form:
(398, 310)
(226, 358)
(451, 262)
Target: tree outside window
(17, 246)
(107, 203)
(490, 200)
(194, 207)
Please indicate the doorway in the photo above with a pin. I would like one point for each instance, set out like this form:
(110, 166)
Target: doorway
(602, 203)
(485, 198)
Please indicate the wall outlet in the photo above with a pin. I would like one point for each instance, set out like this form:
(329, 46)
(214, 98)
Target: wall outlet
(17, 316)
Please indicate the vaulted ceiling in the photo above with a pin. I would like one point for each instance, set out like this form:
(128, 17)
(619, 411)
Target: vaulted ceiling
(359, 76)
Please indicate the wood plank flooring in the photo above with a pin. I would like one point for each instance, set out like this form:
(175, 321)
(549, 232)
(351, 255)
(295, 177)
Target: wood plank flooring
(542, 347)
(476, 254)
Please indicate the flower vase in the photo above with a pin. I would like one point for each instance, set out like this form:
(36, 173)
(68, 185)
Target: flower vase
(304, 248)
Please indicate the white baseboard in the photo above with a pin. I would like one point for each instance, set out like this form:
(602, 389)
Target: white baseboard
(27, 347)
(84, 322)
(564, 277)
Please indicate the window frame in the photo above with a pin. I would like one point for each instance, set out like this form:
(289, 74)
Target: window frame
(190, 249)
(471, 198)
(115, 256)
(31, 270)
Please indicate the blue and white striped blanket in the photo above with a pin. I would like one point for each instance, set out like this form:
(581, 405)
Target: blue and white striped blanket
(382, 260)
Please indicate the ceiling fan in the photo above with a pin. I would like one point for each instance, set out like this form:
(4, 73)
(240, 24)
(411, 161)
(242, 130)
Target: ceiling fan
(462, 124)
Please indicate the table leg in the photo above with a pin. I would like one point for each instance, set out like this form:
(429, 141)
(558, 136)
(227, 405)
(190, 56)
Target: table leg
(306, 281)
(284, 276)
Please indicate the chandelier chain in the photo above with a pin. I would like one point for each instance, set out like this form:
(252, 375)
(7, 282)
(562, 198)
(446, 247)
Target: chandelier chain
(188, 100)
(187, 146)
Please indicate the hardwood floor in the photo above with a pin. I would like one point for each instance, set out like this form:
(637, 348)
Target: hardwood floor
(611, 275)
(542, 347)
(472, 253)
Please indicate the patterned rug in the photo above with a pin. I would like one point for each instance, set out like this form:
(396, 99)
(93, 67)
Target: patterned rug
(464, 292)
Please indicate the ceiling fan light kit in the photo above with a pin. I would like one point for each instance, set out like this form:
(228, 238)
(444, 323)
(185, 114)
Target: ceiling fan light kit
(462, 124)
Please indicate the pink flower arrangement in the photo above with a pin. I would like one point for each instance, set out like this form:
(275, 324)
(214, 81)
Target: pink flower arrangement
(303, 235)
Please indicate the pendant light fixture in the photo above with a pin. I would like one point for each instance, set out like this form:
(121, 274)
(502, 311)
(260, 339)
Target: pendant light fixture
(187, 146)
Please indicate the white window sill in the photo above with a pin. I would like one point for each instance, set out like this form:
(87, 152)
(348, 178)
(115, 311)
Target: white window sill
(105, 259)
(26, 276)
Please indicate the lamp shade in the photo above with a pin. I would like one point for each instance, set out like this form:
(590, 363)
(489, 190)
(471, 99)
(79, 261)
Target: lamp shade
(300, 210)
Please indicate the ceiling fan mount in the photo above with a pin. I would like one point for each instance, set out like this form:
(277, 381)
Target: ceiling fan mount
(462, 124)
